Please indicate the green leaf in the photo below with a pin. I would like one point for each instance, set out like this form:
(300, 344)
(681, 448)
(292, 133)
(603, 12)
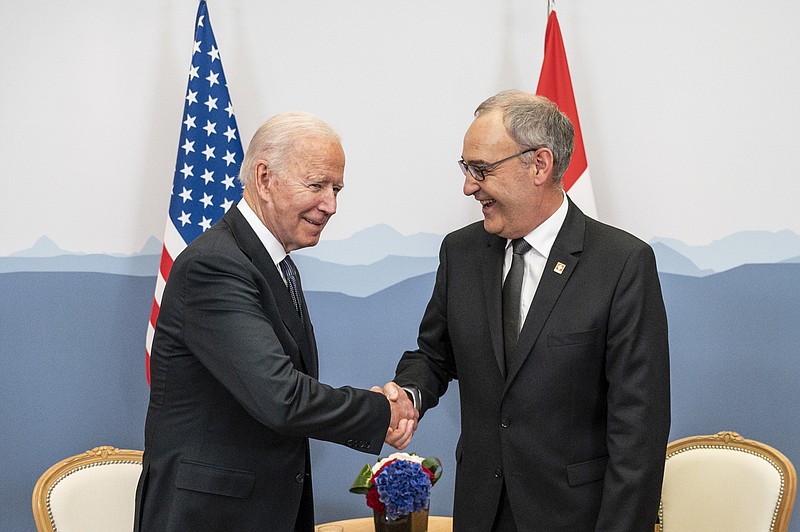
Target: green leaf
(363, 482)
(435, 466)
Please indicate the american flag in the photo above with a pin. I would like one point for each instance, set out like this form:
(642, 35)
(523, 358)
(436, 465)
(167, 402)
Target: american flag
(209, 155)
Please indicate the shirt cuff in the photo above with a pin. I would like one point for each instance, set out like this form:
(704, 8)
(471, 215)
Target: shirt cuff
(415, 396)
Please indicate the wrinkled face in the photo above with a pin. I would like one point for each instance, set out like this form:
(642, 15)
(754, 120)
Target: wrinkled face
(300, 200)
(509, 198)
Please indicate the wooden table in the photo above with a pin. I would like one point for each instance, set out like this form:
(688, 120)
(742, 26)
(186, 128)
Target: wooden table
(435, 524)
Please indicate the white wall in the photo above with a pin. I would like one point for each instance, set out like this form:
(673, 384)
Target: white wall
(689, 109)
(690, 114)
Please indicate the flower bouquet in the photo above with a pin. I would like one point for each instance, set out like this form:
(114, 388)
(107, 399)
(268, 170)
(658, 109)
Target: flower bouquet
(398, 489)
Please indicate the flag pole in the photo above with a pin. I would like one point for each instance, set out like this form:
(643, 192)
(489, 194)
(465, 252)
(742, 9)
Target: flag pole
(551, 5)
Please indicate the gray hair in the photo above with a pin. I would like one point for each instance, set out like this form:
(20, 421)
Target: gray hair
(275, 140)
(535, 122)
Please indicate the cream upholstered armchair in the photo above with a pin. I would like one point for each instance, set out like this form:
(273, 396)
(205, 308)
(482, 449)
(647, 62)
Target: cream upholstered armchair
(723, 482)
(89, 492)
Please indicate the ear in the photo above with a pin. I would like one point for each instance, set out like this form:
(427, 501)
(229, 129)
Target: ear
(263, 178)
(542, 166)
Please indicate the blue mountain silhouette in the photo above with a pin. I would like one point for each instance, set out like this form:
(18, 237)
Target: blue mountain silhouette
(361, 280)
(745, 247)
(378, 257)
(373, 244)
(670, 261)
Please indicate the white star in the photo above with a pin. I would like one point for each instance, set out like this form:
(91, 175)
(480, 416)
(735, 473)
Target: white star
(184, 218)
(228, 181)
(191, 97)
(200, 21)
(205, 224)
(214, 53)
(189, 122)
(210, 128)
(230, 158)
(231, 134)
(188, 146)
(187, 170)
(207, 176)
(211, 103)
(206, 200)
(209, 152)
(212, 78)
(193, 72)
(229, 109)
(196, 47)
(186, 195)
(227, 204)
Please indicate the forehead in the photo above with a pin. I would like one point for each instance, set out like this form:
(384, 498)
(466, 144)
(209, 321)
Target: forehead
(487, 138)
(321, 157)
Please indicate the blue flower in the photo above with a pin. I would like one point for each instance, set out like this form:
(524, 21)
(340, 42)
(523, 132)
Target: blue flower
(404, 487)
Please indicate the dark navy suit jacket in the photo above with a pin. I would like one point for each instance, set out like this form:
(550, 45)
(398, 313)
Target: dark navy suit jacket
(234, 396)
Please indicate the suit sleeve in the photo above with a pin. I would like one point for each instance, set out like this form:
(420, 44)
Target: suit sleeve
(231, 330)
(637, 370)
(431, 366)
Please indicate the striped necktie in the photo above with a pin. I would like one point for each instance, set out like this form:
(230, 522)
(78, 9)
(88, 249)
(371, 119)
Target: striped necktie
(293, 283)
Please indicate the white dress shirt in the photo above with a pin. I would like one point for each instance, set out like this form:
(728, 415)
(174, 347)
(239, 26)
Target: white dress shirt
(541, 240)
(274, 248)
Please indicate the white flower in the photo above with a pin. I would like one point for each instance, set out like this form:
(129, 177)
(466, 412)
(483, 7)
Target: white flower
(397, 456)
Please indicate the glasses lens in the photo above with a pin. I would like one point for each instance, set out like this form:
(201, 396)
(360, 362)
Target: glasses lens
(476, 174)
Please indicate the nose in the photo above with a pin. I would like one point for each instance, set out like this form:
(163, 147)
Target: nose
(470, 185)
(328, 202)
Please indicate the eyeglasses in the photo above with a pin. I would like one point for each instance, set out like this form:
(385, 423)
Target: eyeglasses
(477, 171)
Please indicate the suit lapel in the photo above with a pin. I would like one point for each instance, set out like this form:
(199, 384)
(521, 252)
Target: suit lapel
(250, 244)
(563, 259)
(492, 275)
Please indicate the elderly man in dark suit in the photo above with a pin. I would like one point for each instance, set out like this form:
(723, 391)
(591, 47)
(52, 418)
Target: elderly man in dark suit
(554, 325)
(234, 392)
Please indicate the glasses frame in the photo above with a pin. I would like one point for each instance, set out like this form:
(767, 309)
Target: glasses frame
(477, 171)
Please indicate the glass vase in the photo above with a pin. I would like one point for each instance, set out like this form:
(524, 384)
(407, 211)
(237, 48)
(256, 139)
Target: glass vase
(413, 522)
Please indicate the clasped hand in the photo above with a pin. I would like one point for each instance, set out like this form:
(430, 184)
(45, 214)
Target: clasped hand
(404, 415)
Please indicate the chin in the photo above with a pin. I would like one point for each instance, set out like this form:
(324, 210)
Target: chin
(491, 228)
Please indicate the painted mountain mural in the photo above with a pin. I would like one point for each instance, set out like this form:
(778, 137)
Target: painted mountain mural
(72, 332)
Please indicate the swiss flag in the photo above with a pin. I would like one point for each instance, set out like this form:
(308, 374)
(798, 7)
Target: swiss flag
(555, 83)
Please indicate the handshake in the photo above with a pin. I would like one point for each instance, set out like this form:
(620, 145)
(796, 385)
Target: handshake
(404, 415)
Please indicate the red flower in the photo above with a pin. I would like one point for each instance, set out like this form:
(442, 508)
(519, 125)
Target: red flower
(429, 472)
(374, 501)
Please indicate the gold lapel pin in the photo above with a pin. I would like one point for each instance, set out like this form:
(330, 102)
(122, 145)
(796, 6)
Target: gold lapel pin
(559, 269)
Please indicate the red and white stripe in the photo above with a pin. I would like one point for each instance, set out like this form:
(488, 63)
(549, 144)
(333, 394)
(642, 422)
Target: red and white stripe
(173, 245)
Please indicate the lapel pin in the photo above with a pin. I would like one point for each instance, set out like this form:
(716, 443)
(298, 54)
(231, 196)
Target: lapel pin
(559, 269)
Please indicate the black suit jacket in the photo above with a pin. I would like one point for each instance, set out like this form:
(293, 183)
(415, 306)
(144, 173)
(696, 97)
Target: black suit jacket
(234, 396)
(577, 428)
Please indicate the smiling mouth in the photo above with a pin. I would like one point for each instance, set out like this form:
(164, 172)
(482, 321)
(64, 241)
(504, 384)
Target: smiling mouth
(487, 202)
(312, 222)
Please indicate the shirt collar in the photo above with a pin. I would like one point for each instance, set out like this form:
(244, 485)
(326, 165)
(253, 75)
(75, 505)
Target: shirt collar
(274, 248)
(544, 235)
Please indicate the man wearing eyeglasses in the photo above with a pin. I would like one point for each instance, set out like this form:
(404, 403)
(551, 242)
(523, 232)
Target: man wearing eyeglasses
(554, 325)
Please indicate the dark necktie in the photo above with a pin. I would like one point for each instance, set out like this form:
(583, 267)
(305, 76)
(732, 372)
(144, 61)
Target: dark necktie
(293, 283)
(512, 291)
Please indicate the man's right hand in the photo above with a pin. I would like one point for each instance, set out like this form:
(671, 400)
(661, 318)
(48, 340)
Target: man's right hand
(404, 416)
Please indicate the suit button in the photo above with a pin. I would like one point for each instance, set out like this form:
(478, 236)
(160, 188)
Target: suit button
(299, 478)
(505, 423)
(498, 473)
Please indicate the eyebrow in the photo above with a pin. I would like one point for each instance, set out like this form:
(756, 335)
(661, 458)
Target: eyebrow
(474, 161)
